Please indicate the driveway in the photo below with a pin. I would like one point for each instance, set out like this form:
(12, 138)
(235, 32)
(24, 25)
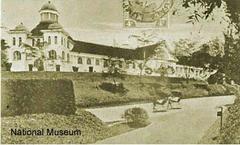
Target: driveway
(185, 125)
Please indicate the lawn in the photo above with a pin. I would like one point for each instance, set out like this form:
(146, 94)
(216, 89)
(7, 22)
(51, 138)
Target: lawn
(88, 91)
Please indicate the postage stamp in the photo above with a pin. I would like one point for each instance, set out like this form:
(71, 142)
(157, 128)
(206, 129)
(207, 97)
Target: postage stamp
(146, 13)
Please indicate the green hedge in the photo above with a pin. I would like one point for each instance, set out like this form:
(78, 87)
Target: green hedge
(37, 96)
(89, 91)
(92, 128)
(217, 89)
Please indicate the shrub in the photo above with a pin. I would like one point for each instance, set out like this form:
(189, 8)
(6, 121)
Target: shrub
(136, 117)
(231, 128)
(37, 96)
(215, 90)
(114, 88)
(75, 69)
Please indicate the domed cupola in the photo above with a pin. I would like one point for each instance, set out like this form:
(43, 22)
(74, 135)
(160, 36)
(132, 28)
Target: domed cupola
(49, 13)
(20, 28)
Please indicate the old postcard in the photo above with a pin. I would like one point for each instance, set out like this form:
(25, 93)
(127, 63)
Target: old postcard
(120, 71)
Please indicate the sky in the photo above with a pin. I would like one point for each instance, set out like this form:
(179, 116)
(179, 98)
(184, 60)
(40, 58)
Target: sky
(100, 21)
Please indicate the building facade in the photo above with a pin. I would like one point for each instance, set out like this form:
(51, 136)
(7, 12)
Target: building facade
(48, 47)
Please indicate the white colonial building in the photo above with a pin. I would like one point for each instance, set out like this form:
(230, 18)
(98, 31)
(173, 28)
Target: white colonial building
(48, 47)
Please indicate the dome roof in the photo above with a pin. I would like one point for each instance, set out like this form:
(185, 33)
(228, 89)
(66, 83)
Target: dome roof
(48, 6)
(55, 26)
(20, 27)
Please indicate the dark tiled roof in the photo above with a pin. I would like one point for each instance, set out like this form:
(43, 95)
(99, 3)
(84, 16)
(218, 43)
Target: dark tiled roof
(41, 26)
(85, 47)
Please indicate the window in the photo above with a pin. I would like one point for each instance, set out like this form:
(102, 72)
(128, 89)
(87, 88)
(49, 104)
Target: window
(14, 41)
(49, 40)
(52, 54)
(20, 41)
(52, 16)
(80, 60)
(134, 66)
(62, 41)
(105, 64)
(97, 62)
(89, 61)
(68, 44)
(33, 42)
(38, 41)
(55, 38)
(63, 55)
(120, 64)
(17, 55)
(68, 57)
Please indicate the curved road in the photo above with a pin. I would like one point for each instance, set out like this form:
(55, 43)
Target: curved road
(185, 125)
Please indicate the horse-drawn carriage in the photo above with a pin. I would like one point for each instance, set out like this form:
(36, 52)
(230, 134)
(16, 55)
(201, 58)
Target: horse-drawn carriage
(172, 101)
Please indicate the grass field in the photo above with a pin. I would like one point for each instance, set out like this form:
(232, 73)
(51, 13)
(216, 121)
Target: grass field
(89, 94)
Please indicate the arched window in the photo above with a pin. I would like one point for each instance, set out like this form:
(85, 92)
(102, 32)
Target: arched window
(97, 62)
(68, 57)
(38, 41)
(80, 60)
(105, 63)
(52, 54)
(20, 41)
(133, 65)
(49, 39)
(68, 44)
(33, 42)
(62, 41)
(55, 39)
(63, 55)
(14, 41)
(17, 55)
(89, 61)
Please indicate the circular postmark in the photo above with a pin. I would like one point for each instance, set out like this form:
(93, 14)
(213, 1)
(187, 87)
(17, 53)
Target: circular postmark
(147, 10)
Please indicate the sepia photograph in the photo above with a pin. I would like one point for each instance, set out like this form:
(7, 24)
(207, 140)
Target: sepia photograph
(120, 71)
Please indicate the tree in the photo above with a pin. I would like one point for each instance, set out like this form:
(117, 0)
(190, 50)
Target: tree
(114, 69)
(184, 47)
(37, 53)
(4, 59)
(232, 9)
(183, 50)
(231, 47)
(144, 39)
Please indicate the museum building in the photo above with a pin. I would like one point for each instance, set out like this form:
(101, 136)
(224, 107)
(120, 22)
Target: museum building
(48, 47)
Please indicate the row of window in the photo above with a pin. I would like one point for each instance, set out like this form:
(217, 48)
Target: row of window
(89, 61)
(49, 16)
(19, 41)
(63, 41)
(53, 56)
